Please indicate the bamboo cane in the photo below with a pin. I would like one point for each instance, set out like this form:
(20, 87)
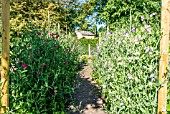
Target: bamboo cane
(164, 46)
(5, 55)
(58, 28)
(89, 51)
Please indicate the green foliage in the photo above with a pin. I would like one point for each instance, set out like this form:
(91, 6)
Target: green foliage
(42, 73)
(126, 68)
(113, 12)
(84, 59)
(84, 45)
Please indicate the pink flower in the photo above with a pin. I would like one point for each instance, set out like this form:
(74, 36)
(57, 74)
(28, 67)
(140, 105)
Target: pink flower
(38, 72)
(24, 66)
(52, 35)
(130, 76)
(43, 64)
(28, 45)
(48, 34)
(66, 63)
(68, 51)
(77, 107)
(56, 46)
(20, 60)
(74, 85)
(39, 33)
(55, 91)
(57, 36)
(147, 26)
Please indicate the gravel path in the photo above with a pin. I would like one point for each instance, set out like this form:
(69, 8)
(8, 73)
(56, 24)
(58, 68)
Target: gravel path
(87, 97)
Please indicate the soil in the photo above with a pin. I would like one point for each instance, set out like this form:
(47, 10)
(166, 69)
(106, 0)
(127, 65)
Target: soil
(87, 94)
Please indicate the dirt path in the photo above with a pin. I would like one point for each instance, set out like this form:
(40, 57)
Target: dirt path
(87, 96)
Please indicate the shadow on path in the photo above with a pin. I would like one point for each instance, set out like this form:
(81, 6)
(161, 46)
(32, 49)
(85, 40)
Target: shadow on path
(87, 94)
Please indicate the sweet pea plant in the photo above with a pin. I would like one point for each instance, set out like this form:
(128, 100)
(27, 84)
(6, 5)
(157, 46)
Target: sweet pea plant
(126, 68)
(43, 69)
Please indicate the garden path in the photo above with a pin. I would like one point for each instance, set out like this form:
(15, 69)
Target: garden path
(87, 96)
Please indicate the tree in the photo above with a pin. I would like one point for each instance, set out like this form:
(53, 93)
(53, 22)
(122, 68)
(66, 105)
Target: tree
(69, 14)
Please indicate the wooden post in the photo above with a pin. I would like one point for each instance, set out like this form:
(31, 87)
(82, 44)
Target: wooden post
(99, 37)
(164, 45)
(59, 28)
(130, 20)
(89, 51)
(5, 55)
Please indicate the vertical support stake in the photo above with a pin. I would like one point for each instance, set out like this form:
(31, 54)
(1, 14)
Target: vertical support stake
(89, 51)
(163, 64)
(5, 55)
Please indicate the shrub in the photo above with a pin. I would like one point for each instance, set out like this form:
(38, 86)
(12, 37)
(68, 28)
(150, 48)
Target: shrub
(126, 68)
(42, 73)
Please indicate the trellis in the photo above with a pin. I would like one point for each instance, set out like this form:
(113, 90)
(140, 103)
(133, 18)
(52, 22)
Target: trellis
(164, 44)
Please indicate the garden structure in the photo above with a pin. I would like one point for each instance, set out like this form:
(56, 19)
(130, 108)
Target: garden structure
(164, 45)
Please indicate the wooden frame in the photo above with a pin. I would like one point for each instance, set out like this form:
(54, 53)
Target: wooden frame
(164, 45)
(5, 55)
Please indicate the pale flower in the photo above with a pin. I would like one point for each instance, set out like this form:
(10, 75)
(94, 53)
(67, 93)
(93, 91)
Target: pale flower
(121, 104)
(150, 83)
(152, 75)
(129, 76)
(163, 109)
(137, 53)
(104, 86)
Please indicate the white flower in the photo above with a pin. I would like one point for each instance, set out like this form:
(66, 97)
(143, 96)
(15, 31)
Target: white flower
(137, 41)
(137, 53)
(150, 83)
(146, 49)
(126, 34)
(136, 58)
(145, 67)
(121, 104)
(163, 109)
(152, 75)
(153, 79)
(150, 53)
(110, 69)
(152, 14)
(121, 63)
(104, 86)
(111, 84)
(112, 76)
(119, 58)
(124, 41)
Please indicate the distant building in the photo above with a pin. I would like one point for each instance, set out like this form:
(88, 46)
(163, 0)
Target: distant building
(84, 34)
